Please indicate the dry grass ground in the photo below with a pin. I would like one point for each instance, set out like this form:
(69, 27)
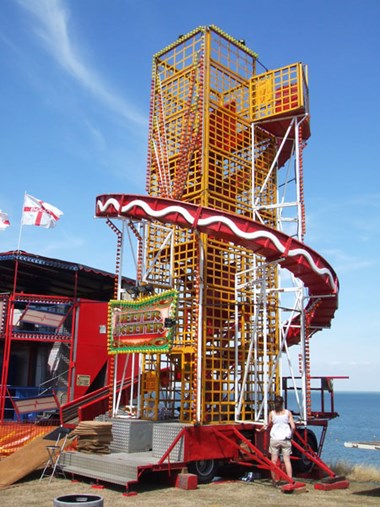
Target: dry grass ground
(357, 473)
(232, 493)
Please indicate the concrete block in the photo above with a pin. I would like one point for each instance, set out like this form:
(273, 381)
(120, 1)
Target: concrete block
(186, 481)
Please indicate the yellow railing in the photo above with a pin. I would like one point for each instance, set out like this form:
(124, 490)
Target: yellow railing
(279, 92)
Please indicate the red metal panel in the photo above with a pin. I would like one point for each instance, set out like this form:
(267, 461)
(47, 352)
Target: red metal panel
(90, 353)
(343, 484)
(204, 442)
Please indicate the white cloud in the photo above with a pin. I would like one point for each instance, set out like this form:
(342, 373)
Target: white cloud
(96, 135)
(48, 247)
(344, 263)
(52, 28)
(371, 200)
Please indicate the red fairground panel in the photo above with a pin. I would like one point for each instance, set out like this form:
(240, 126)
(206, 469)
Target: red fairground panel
(145, 325)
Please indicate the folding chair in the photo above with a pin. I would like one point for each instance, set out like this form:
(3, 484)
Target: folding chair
(53, 466)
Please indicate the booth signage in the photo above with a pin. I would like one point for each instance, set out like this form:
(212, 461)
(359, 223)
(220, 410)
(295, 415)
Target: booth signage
(145, 325)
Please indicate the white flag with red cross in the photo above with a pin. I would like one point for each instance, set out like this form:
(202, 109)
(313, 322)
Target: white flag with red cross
(4, 221)
(40, 213)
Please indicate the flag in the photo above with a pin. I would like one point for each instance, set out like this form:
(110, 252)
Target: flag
(4, 221)
(36, 212)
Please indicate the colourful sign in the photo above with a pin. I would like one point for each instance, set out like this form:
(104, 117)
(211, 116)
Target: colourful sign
(144, 325)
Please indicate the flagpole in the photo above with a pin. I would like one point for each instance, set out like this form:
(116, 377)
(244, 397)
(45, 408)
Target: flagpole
(19, 237)
(18, 249)
(21, 224)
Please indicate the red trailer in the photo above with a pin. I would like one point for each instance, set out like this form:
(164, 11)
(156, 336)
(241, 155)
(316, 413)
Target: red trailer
(53, 334)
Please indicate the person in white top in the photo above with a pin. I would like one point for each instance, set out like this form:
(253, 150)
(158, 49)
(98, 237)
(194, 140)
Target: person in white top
(282, 428)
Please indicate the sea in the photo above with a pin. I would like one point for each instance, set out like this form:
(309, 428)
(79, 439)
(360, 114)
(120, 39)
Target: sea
(359, 420)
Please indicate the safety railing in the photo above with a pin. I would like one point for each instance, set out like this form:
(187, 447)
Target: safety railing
(279, 92)
(322, 403)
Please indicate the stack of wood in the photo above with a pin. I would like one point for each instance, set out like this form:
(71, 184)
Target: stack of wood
(93, 437)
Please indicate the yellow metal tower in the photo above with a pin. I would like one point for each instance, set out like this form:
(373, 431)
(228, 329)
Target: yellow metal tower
(204, 99)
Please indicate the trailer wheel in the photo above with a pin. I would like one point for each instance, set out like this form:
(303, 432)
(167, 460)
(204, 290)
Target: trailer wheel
(205, 469)
(302, 464)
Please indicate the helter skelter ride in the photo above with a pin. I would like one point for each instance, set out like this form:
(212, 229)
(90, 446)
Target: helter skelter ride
(225, 284)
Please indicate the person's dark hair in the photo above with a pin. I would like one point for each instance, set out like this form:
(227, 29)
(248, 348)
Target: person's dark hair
(278, 403)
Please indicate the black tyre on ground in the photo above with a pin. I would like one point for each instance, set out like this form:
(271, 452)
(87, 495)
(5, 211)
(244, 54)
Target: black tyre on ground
(303, 464)
(205, 469)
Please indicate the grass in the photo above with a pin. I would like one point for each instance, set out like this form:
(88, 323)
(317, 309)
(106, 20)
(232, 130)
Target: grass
(357, 473)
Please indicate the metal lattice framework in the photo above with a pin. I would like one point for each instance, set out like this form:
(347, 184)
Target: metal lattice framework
(229, 140)
(200, 113)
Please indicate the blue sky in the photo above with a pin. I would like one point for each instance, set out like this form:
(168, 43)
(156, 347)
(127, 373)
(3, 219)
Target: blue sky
(74, 104)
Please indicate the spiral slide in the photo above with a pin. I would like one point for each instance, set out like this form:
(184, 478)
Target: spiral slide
(306, 264)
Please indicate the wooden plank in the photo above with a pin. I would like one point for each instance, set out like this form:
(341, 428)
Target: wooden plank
(24, 461)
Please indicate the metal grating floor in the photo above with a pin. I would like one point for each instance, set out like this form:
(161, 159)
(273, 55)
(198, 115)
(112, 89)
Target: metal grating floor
(123, 467)
(116, 468)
